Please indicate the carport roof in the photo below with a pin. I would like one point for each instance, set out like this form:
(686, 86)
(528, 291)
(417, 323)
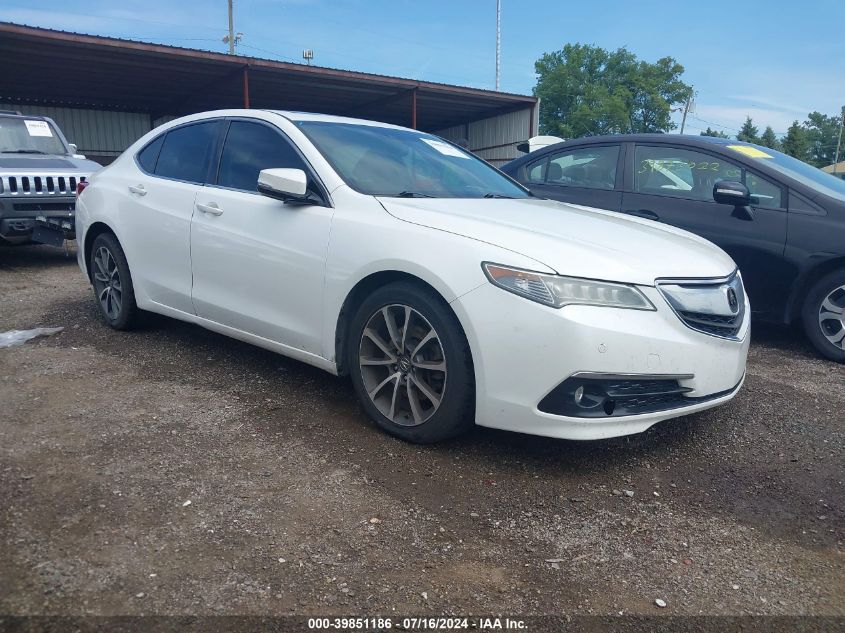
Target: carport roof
(87, 71)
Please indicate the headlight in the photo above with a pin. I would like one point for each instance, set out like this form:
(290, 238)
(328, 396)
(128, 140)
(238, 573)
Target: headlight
(557, 291)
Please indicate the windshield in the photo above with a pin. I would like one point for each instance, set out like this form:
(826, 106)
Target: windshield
(29, 136)
(383, 161)
(794, 168)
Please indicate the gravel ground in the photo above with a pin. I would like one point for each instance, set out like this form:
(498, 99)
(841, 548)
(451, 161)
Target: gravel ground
(175, 471)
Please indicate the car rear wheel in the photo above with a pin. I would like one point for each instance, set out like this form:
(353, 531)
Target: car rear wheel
(112, 283)
(824, 315)
(411, 365)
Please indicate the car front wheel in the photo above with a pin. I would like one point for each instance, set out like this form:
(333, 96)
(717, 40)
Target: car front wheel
(824, 315)
(411, 365)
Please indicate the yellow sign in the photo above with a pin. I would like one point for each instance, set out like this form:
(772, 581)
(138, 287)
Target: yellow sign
(753, 152)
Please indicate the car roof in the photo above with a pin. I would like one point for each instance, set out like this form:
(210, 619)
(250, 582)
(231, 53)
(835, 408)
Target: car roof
(294, 115)
(683, 139)
(13, 114)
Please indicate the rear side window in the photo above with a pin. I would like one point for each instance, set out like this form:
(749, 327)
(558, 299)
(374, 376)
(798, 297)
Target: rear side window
(249, 148)
(186, 151)
(148, 157)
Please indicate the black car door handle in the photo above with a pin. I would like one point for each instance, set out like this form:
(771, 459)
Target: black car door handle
(643, 213)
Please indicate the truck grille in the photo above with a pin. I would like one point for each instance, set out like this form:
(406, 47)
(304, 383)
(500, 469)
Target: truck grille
(714, 307)
(32, 186)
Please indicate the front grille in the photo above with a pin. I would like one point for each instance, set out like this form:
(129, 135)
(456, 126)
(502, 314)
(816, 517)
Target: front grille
(714, 307)
(43, 206)
(52, 185)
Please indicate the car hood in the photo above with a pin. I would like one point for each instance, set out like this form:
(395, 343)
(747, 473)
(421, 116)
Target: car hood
(39, 163)
(571, 239)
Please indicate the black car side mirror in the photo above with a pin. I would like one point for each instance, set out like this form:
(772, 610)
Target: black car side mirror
(731, 192)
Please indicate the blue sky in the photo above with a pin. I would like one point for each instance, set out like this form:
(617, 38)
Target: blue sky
(775, 60)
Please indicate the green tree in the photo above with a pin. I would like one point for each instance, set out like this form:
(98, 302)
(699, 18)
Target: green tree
(822, 132)
(748, 132)
(795, 143)
(716, 133)
(587, 90)
(768, 138)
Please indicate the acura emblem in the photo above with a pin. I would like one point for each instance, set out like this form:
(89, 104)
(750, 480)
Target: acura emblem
(732, 300)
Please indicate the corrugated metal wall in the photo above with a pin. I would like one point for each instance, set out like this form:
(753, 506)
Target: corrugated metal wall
(495, 139)
(98, 133)
(103, 135)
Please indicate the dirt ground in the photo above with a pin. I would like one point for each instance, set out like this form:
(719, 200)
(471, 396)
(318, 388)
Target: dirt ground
(175, 471)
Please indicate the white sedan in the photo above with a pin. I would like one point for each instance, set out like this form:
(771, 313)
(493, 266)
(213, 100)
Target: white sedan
(448, 293)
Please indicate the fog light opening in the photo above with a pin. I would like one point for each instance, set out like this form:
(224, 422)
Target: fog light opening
(579, 395)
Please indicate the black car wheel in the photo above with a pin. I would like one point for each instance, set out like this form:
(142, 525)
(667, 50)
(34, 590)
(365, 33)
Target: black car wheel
(411, 365)
(112, 282)
(824, 315)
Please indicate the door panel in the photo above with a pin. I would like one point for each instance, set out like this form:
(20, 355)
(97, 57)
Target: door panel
(675, 186)
(258, 263)
(158, 244)
(587, 175)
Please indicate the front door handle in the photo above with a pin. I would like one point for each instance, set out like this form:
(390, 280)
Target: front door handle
(644, 213)
(210, 208)
(138, 190)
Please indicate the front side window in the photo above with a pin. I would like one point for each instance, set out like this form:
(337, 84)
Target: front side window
(186, 151)
(589, 167)
(764, 193)
(249, 148)
(382, 161)
(29, 136)
(680, 173)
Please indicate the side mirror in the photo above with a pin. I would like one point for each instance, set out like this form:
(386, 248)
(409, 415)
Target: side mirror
(74, 150)
(289, 185)
(733, 193)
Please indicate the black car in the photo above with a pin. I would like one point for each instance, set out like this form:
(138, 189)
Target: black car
(782, 220)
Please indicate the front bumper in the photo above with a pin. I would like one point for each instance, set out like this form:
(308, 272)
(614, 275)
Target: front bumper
(19, 219)
(523, 351)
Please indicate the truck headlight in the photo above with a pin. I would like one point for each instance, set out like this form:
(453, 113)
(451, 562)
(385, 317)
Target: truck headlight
(558, 291)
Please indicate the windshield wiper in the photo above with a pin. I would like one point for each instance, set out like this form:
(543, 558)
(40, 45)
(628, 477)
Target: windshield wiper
(497, 195)
(23, 151)
(411, 194)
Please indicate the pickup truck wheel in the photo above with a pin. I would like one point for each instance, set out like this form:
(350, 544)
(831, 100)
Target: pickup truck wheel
(411, 364)
(824, 315)
(112, 283)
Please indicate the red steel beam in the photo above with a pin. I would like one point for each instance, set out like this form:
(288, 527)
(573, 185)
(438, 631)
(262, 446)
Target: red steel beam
(246, 86)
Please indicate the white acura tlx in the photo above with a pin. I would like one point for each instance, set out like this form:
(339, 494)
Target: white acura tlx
(446, 292)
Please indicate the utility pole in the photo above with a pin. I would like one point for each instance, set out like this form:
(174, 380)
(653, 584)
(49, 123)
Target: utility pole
(498, 40)
(839, 140)
(686, 110)
(231, 31)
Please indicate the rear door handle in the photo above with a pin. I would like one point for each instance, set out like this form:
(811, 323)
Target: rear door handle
(644, 213)
(138, 190)
(209, 208)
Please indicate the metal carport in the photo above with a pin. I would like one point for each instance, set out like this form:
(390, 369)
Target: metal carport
(62, 71)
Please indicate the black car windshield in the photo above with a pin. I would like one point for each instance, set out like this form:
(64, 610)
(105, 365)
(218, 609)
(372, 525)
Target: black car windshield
(794, 168)
(29, 136)
(383, 161)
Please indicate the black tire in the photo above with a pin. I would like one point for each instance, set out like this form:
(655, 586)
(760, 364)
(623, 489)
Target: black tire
(455, 412)
(126, 315)
(811, 310)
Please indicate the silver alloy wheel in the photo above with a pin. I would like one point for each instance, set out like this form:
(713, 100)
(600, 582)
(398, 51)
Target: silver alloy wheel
(832, 317)
(107, 283)
(402, 363)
